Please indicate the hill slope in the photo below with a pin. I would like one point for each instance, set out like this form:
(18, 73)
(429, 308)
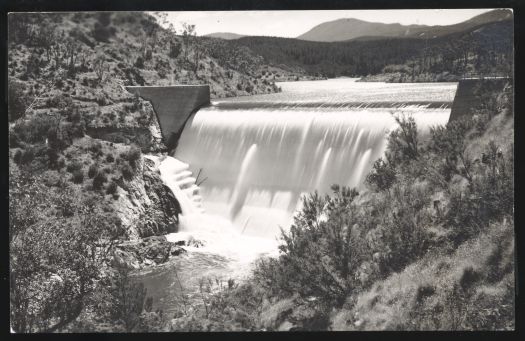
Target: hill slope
(349, 28)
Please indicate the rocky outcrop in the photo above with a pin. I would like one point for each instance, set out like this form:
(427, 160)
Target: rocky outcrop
(145, 205)
(149, 251)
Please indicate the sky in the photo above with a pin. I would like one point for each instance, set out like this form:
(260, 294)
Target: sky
(295, 23)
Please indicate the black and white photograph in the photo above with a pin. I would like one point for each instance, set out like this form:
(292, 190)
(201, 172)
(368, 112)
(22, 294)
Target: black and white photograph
(261, 170)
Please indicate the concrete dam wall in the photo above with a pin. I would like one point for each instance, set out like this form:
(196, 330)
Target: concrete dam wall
(468, 92)
(173, 106)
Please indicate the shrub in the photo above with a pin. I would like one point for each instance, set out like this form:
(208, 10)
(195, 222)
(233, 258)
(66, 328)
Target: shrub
(175, 49)
(18, 101)
(320, 255)
(92, 171)
(489, 197)
(96, 147)
(35, 129)
(133, 155)
(448, 145)
(102, 33)
(18, 156)
(382, 175)
(74, 166)
(110, 158)
(127, 171)
(78, 176)
(112, 188)
(403, 235)
(99, 180)
(403, 143)
(139, 62)
(52, 156)
(61, 163)
(126, 299)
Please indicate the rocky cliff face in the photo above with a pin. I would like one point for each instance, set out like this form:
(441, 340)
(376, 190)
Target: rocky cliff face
(146, 206)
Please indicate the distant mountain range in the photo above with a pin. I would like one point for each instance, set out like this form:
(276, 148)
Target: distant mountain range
(225, 35)
(349, 29)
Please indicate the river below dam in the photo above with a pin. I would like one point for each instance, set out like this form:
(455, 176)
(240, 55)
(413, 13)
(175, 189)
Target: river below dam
(255, 156)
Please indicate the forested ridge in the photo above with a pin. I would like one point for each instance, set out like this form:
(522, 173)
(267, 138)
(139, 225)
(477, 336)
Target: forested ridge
(483, 49)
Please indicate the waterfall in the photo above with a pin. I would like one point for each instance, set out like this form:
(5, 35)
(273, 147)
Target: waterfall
(259, 154)
(259, 161)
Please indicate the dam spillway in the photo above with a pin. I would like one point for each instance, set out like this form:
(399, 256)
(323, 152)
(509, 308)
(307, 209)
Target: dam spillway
(259, 154)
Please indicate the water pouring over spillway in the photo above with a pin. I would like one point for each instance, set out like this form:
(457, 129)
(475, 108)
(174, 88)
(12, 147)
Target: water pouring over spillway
(259, 154)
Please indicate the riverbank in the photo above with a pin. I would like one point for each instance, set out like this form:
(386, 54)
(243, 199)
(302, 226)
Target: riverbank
(399, 77)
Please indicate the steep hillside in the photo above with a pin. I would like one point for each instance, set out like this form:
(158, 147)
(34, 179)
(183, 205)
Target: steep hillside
(72, 123)
(349, 28)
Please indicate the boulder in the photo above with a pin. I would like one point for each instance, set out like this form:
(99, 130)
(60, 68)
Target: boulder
(148, 251)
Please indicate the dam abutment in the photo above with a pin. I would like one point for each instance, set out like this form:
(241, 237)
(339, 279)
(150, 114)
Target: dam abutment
(468, 94)
(173, 106)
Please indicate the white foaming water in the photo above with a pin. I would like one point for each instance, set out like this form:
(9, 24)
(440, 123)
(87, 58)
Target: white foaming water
(217, 233)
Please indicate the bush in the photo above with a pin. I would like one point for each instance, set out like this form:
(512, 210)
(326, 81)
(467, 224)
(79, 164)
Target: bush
(92, 171)
(448, 145)
(78, 176)
(61, 163)
(126, 299)
(133, 155)
(320, 255)
(382, 175)
(175, 49)
(127, 171)
(99, 180)
(102, 33)
(74, 166)
(35, 130)
(403, 143)
(139, 62)
(18, 101)
(489, 196)
(112, 188)
(110, 158)
(18, 156)
(96, 147)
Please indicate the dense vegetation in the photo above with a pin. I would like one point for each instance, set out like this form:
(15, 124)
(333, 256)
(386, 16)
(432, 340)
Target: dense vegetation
(486, 49)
